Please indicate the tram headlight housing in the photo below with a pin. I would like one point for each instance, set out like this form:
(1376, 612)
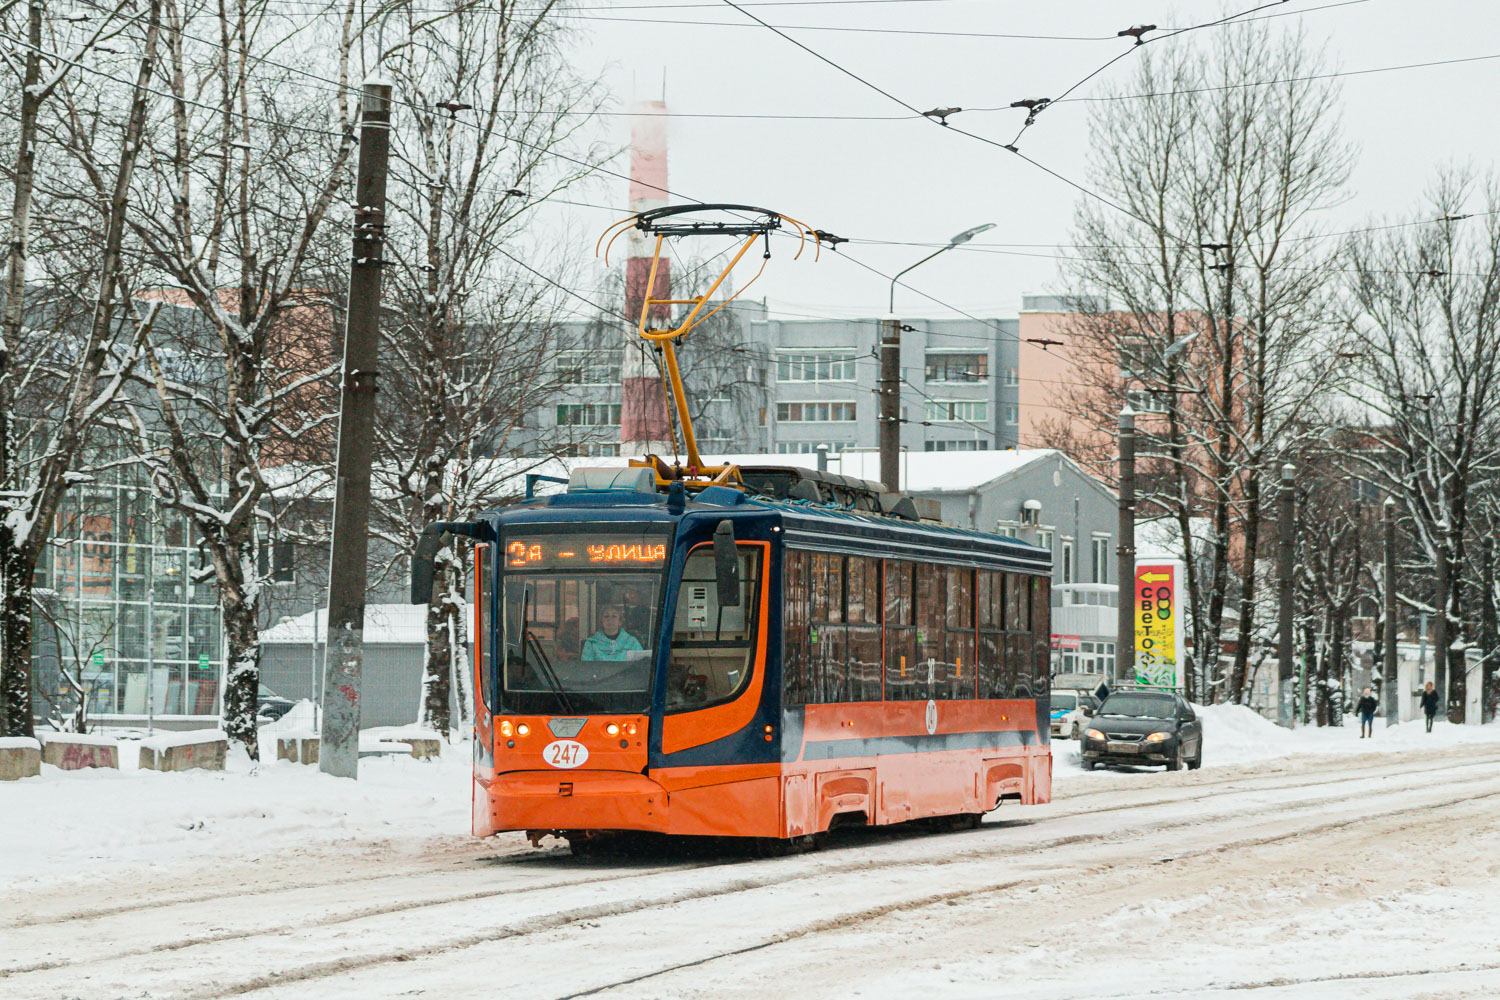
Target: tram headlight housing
(506, 729)
(522, 729)
(612, 729)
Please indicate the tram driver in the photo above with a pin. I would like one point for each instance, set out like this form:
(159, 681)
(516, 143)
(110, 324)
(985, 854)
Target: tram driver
(611, 642)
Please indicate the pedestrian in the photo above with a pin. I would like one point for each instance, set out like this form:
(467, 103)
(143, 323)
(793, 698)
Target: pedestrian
(1429, 703)
(1366, 709)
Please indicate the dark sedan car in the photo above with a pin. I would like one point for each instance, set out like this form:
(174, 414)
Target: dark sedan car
(1143, 727)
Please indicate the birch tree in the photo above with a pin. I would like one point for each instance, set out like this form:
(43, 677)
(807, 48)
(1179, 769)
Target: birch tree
(244, 174)
(470, 343)
(1425, 313)
(1207, 305)
(56, 384)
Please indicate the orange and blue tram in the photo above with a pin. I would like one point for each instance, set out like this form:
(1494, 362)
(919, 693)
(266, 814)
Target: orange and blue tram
(727, 664)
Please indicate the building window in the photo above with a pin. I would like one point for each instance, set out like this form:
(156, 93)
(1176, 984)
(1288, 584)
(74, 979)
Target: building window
(1012, 413)
(1067, 560)
(275, 562)
(1101, 558)
(811, 447)
(969, 444)
(1044, 539)
(1146, 401)
(588, 415)
(835, 365)
(953, 367)
(955, 410)
(590, 449)
(1007, 529)
(1010, 376)
(600, 367)
(804, 413)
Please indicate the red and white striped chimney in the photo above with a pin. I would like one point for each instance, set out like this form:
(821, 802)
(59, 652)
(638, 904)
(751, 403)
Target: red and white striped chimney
(644, 426)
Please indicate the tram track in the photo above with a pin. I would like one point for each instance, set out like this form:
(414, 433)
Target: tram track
(848, 921)
(1062, 807)
(786, 870)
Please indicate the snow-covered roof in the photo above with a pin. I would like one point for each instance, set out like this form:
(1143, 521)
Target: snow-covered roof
(384, 623)
(921, 471)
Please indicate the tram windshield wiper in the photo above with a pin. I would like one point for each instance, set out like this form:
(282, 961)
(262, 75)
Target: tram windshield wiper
(544, 664)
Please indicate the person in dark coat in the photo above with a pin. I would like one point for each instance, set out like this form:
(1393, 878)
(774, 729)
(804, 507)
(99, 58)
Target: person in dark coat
(1429, 703)
(1366, 709)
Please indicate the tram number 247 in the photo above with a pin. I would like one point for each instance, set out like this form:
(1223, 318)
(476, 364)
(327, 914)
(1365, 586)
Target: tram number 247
(565, 753)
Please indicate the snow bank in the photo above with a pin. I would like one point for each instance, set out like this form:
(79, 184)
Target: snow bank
(80, 739)
(19, 743)
(53, 827)
(1234, 734)
(187, 738)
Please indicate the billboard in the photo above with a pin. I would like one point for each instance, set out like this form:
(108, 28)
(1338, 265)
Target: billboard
(1159, 645)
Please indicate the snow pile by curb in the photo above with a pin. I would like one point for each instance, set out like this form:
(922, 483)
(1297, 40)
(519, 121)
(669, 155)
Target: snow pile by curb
(187, 738)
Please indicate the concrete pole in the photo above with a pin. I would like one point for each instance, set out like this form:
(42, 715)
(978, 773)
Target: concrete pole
(1392, 682)
(890, 403)
(1287, 545)
(1125, 553)
(1441, 670)
(338, 753)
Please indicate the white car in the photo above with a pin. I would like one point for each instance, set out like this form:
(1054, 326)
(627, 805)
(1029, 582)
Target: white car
(1071, 711)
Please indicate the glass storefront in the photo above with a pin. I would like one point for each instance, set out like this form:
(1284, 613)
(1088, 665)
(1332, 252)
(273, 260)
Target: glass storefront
(118, 607)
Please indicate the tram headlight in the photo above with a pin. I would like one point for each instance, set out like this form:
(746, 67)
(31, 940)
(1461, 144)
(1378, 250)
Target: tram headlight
(630, 728)
(612, 729)
(522, 729)
(506, 728)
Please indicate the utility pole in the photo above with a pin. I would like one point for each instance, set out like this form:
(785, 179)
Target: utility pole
(338, 752)
(890, 403)
(1125, 554)
(1441, 671)
(1285, 667)
(1392, 681)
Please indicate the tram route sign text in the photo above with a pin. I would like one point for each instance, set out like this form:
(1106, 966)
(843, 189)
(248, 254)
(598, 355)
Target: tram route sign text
(1158, 626)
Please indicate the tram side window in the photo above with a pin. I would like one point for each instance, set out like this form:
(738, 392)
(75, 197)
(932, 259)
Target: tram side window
(827, 587)
(901, 671)
(1017, 603)
(712, 645)
(961, 643)
(993, 682)
(1041, 633)
(794, 665)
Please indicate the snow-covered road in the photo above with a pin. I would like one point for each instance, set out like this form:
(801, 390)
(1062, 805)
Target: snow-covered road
(1306, 876)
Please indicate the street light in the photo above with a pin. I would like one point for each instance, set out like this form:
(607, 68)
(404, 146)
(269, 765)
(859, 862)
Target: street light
(890, 369)
(959, 240)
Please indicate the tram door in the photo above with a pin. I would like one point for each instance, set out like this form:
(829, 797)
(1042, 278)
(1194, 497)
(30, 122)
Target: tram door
(716, 666)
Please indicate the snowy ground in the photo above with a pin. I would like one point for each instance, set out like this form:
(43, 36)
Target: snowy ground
(1303, 864)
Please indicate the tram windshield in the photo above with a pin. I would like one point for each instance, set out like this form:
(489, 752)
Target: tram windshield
(580, 636)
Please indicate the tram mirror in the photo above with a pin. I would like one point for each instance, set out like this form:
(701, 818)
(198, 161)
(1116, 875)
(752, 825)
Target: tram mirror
(727, 565)
(421, 562)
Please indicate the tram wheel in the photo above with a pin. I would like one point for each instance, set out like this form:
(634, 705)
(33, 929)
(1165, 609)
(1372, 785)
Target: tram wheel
(780, 847)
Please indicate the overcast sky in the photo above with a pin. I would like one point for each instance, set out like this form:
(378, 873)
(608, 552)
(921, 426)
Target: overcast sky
(910, 181)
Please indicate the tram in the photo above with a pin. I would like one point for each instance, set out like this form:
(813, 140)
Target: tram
(760, 653)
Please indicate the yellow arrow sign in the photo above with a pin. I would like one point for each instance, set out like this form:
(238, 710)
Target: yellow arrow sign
(1155, 577)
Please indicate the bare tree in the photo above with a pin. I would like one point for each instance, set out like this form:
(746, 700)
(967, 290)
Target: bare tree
(1425, 302)
(1206, 303)
(473, 349)
(51, 397)
(243, 176)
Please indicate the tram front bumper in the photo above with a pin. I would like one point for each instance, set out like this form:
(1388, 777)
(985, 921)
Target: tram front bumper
(576, 800)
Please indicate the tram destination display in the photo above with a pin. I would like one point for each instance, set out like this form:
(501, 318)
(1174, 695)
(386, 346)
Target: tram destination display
(586, 549)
